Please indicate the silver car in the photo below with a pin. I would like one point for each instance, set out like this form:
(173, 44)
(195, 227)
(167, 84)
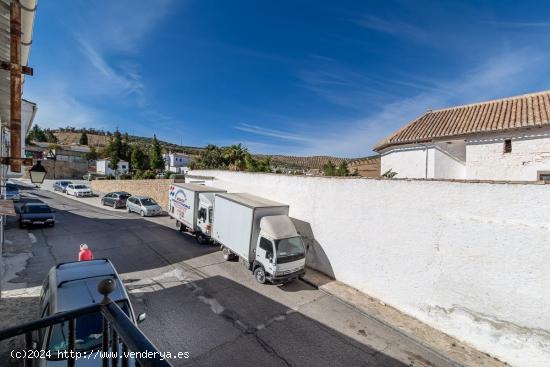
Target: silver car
(144, 205)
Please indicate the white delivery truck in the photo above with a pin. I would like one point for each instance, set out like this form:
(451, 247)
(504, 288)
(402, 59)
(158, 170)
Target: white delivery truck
(260, 232)
(191, 206)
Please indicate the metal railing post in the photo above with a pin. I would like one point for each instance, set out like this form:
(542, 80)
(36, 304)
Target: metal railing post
(71, 360)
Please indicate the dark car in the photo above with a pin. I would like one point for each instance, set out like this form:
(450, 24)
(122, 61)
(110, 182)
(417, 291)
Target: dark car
(36, 213)
(12, 192)
(61, 185)
(116, 199)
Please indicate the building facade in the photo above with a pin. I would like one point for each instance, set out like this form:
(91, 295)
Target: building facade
(176, 162)
(102, 167)
(506, 139)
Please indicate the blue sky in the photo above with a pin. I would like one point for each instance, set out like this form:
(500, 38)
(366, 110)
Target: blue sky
(286, 77)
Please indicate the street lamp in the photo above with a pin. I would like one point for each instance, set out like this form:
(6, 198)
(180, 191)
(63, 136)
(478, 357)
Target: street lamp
(37, 173)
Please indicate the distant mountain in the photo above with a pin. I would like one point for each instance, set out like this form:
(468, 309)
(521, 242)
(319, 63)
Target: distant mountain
(100, 138)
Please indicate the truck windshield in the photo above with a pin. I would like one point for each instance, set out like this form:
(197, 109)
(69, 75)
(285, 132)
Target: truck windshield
(289, 249)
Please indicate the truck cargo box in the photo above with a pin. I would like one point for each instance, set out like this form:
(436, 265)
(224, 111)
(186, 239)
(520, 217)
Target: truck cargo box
(237, 221)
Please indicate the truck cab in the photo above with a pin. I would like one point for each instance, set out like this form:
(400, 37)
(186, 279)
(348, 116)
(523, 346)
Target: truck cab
(205, 214)
(280, 251)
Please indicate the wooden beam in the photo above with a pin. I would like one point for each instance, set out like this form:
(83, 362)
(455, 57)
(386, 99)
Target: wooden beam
(4, 65)
(15, 85)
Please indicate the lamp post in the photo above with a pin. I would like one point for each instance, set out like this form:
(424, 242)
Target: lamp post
(37, 173)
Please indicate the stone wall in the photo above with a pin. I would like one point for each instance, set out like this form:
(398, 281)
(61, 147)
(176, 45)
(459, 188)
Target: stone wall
(62, 169)
(470, 259)
(157, 189)
(366, 167)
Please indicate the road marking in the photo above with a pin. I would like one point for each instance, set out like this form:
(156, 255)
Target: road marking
(32, 237)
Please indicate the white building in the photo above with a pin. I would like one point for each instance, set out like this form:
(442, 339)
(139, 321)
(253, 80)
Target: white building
(504, 139)
(102, 167)
(176, 162)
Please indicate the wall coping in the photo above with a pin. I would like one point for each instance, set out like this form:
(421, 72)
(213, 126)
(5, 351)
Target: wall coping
(496, 182)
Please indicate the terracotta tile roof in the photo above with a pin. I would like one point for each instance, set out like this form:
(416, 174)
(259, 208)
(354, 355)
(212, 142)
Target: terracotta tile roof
(523, 111)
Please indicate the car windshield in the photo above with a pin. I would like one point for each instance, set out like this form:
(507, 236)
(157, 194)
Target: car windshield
(37, 209)
(80, 186)
(89, 332)
(64, 183)
(289, 249)
(148, 202)
(124, 196)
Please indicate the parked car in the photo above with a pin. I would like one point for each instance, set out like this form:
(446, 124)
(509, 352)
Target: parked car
(70, 286)
(36, 213)
(12, 192)
(115, 199)
(61, 185)
(78, 190)
(144, 205)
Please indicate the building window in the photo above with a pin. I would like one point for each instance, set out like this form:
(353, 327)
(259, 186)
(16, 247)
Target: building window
(508, 146)
(544, 176)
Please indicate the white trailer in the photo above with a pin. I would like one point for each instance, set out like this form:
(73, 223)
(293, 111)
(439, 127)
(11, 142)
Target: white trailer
(191, 206)
(260, 232)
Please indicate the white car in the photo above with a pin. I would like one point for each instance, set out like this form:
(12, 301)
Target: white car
(78, 190)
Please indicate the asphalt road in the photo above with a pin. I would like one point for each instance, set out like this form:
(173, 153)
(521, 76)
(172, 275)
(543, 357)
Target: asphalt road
(212, 309)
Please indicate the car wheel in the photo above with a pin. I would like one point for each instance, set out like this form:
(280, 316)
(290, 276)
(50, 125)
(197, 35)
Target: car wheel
(259, 275)
(128, 209)
(142, 213)
(21, 225)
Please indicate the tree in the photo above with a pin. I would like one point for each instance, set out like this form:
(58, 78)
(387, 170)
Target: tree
(156, 159)
(258, 165)
(329, 169)
(342, 169)
(50, 137)
(212, 157)
(126, 149)
(115, 150)
(235, 156)
(37, 134)
(92, 154)
(139, 159)
(83, 138)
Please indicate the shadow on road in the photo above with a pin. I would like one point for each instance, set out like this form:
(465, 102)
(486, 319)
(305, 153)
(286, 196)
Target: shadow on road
(223, 323)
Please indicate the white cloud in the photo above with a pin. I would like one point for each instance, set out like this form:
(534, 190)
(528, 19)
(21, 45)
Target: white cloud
(505, 74)
(395, 28)
(272, 133)
(57, 107)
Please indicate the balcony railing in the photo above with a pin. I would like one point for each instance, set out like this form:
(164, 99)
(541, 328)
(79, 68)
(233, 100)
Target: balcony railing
(122, 341)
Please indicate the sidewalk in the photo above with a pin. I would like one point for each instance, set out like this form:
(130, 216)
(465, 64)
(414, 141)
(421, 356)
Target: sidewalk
(441, 343)
(18, 301)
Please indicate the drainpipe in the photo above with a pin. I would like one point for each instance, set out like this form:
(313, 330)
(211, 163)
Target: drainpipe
(426, 163)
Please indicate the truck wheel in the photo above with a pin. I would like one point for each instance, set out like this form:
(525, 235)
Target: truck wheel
(201, 239)
(259, 274)
(226, 254)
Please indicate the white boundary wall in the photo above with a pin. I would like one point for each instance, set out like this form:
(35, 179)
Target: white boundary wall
(471, 259)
